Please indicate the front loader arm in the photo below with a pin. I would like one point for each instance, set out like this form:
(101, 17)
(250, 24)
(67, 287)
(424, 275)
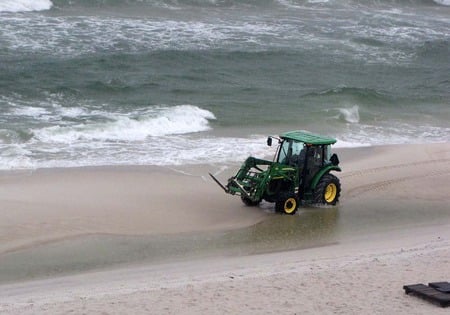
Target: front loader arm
(251, 162)
(249, 181)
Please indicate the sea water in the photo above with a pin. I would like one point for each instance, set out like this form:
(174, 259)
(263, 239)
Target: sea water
(171, 82)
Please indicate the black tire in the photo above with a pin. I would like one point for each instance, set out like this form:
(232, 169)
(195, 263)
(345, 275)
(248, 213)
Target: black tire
(327, 190)
(287, 203)
(248, 202)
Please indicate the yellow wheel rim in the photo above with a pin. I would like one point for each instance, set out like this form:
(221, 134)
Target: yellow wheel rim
(290, 205)
(330, 192)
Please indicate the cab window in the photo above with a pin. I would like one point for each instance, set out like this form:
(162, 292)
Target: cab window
(291, 152)
(284, 149)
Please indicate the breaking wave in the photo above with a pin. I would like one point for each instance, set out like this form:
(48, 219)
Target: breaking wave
(25, 5)
(350, 115)
(182, 119)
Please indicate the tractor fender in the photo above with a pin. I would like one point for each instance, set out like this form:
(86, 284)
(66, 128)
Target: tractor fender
(322, 172)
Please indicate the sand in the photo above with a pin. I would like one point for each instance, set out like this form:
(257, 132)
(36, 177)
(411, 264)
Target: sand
(392, 228)
(52, 204)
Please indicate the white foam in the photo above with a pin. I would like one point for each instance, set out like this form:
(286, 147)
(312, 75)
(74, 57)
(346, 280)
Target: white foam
(442, 2)
(30, 111)
(24, 5)
(350, 115)
(176, 120)
(192, 148)
(350, 144)
(72, 112)
(289, 4)
(216, 150)
(15, 156)
(70, 37)
(318, 1)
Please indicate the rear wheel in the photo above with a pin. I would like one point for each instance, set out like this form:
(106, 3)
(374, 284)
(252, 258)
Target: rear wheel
(327, 190)
(287, 203)
(248, 202)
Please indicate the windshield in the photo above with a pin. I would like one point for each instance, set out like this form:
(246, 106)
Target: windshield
(290, 151)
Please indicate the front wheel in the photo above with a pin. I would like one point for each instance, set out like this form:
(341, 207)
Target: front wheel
(327, 190)
(248, 202)
(287, 203)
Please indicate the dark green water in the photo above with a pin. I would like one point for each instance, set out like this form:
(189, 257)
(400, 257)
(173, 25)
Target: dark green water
(168, 82)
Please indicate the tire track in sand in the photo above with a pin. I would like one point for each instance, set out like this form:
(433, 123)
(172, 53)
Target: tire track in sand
(364, 172)
(440, 168)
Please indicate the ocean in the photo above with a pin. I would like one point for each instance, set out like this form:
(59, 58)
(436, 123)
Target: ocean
(173, 82)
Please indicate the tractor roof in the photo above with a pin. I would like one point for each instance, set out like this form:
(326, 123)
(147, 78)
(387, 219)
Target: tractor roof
(306, 137)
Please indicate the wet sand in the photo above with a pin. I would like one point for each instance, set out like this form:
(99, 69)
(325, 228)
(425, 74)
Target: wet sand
(184, 236)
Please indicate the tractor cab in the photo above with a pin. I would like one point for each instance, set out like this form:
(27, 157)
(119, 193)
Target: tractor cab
(302, 149)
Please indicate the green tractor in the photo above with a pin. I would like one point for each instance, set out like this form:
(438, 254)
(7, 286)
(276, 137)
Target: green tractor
(300, 172)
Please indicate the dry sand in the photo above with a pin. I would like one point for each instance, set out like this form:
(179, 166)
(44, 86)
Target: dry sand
(393, 229)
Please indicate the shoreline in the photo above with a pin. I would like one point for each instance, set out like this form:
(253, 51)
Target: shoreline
(351, 156)
(96, 192)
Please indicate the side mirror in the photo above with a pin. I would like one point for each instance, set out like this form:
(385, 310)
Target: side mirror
(334, 159)
(269, 141)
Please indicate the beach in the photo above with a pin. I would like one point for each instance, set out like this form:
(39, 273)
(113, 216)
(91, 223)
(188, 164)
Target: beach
(391, 228)
(112, 114)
